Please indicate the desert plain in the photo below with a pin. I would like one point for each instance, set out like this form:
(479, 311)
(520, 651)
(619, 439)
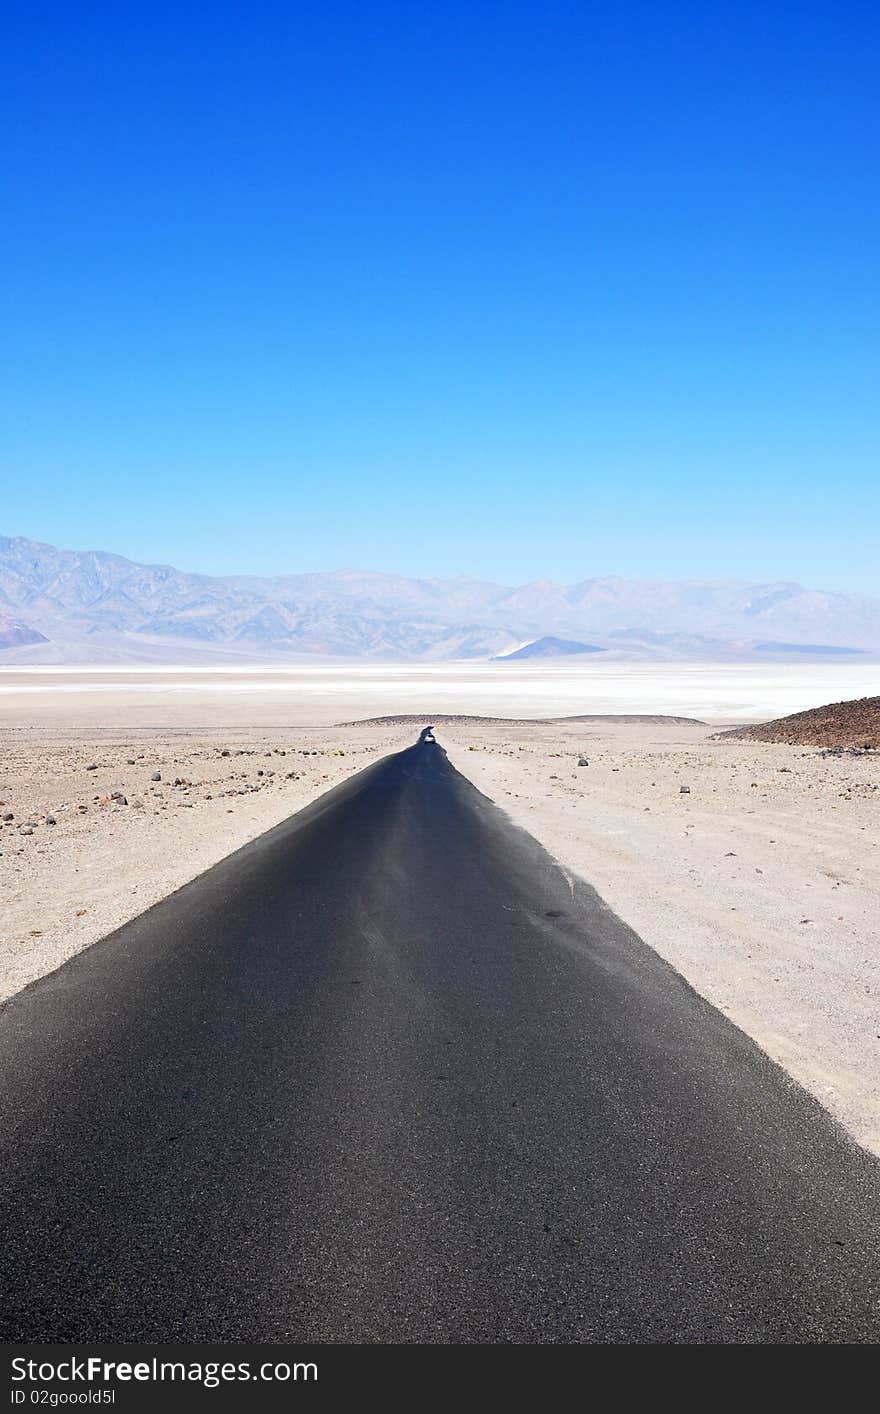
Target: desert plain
(753, 868)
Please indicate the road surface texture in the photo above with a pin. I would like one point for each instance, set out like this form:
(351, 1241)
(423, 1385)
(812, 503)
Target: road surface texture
(387, 1075)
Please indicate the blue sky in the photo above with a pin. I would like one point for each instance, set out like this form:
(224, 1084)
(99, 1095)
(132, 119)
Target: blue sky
(521, 291)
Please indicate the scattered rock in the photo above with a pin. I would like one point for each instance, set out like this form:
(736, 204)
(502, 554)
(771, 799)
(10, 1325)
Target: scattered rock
(51, 820)
(156, 776)
(25, 829)
(582, 761)
(684, 790)
(92, 767)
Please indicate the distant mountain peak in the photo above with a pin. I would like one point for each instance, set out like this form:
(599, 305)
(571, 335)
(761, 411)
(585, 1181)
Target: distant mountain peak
(549, 647)
(14, 634)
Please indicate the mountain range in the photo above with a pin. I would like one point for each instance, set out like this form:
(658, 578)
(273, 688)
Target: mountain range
(80, 606)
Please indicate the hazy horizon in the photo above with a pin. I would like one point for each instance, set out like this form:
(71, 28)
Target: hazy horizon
(64, 605)
(517, 581)
(411, 565)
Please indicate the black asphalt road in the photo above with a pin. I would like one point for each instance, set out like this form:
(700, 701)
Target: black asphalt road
(386, 1075)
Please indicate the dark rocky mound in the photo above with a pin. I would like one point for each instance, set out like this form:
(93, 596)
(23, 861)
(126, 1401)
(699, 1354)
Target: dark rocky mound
(405, 719)
(847, 724)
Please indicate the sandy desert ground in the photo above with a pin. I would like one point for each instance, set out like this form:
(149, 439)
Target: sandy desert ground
(754, 869)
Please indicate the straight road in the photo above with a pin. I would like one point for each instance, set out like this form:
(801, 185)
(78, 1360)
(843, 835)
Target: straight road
(387, 1075)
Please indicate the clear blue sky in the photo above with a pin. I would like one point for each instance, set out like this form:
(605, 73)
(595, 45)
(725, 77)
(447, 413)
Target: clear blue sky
(514, 290)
